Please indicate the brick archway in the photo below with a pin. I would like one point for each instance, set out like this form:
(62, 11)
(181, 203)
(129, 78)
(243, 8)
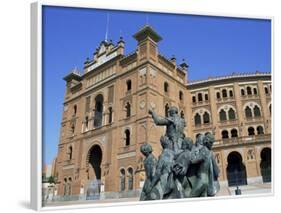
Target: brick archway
(236, 170)
(94, 160)
(265, 164)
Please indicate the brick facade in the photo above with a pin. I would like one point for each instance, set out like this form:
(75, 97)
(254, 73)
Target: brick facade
(105, 118)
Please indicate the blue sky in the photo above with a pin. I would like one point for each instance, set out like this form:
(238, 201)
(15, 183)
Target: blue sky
(212, 46)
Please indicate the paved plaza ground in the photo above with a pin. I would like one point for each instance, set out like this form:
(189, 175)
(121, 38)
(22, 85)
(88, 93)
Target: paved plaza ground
(255, 189)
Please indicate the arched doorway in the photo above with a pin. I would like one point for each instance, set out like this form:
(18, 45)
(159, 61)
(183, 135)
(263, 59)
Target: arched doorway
(94, 172)
(265, 165)
(95, 158)
(236, 170)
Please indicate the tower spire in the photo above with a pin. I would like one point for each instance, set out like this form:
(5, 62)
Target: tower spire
(107, 24)
(120, 33)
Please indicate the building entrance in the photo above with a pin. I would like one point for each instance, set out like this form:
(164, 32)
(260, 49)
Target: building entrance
(265, 165)
(94, 172)
(236, 171)
(95, 158)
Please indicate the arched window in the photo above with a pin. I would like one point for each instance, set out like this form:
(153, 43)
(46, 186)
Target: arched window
(249, 91)
(257, 111)
(130, 179)
(224, 93)
(98, 111)
(128, 109)
(255, 91)
(224, 134)
(260, 130)
(74, 109)
(181, 95)
(222, 115)
(69, 186)
(197, 119)
(206, 97)
(250, 154)
(167, 110)
(248, 112)
(72, 128)
(166, 87)
(218, 95)
(65, 189)
(182, 114)
(122, 180)
(69, 153)
(206, 118)
(231, 114)
(110, 115)
(87, 122)
(193, 99)
(266, 90)
(234, 133)
(230, 93)
(129, 85)
(251, 131)
(197, 135)
(242, 92)
(127, 137)
(88, 102)
(200, 98)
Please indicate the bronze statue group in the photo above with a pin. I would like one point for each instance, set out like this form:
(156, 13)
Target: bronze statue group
(183, 169)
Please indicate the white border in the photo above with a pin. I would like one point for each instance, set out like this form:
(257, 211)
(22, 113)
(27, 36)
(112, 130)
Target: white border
(133, 7)
(36, 107)
(36, 98)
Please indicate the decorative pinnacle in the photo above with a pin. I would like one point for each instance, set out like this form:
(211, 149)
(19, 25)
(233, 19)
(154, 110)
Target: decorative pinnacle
(184, 65)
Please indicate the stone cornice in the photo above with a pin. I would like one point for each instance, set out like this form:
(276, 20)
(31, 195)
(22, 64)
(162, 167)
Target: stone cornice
(231, 78)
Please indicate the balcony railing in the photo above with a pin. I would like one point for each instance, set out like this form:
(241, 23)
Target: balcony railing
(254, 119)
(203, 125)
(199, 103)
(127, 148)
(228, 122)
(252, 96)
(243, 140)
(225, 99)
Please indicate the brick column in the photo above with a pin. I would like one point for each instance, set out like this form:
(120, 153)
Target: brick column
(239, 109)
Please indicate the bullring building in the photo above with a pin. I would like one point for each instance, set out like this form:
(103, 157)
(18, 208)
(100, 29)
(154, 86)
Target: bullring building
(105, 118)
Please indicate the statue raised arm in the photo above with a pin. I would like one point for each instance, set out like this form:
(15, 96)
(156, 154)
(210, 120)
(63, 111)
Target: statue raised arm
(174, 126)
(158, 120)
